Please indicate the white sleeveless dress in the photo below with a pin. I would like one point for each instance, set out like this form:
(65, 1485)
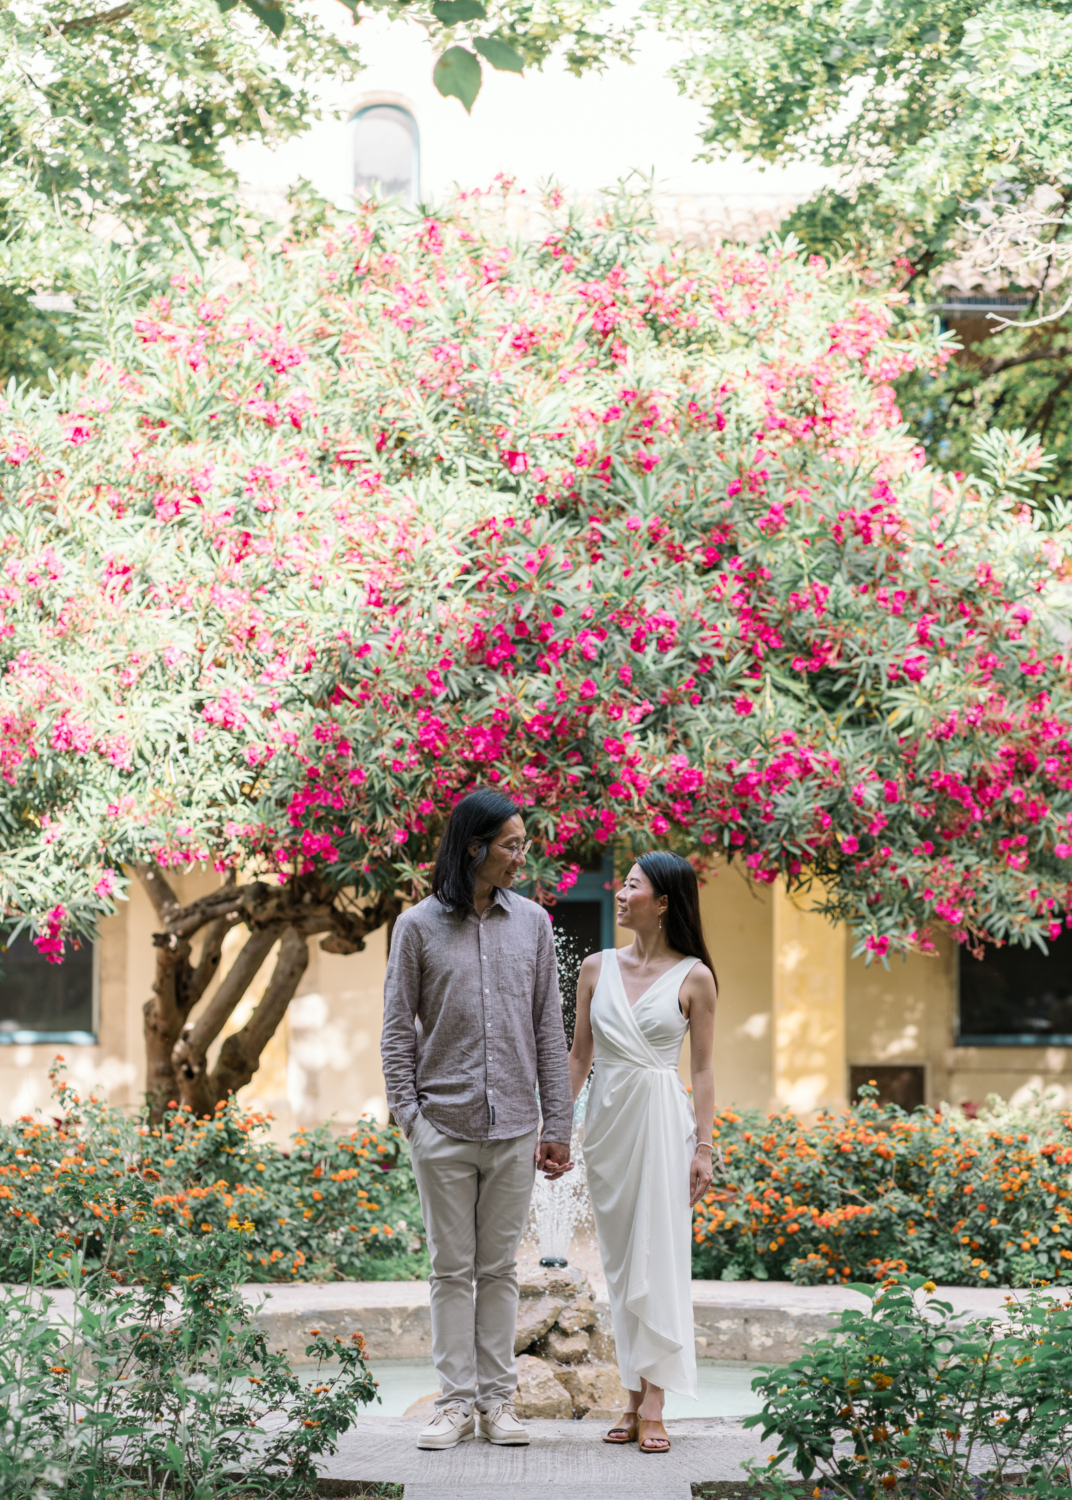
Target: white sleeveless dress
(639, 1141)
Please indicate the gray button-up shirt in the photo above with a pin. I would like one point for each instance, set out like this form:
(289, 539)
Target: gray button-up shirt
(472, 1020)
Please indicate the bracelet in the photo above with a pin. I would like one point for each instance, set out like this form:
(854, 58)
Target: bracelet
(703, 1146)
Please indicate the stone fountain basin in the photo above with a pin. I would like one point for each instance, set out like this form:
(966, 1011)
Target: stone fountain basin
(767, 1321)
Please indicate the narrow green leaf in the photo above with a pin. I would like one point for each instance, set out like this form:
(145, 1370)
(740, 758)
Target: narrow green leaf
(499, 54)
(271, 15)
(226, 5)
(457, 74)
(451, 12)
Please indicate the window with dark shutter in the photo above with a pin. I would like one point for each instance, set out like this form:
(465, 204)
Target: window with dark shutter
(1017, 997)
(43, 1002)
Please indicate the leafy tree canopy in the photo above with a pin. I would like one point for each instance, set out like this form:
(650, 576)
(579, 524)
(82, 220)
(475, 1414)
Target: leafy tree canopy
(113, 130)
(949, 123)
(115, 123)
(632, 532)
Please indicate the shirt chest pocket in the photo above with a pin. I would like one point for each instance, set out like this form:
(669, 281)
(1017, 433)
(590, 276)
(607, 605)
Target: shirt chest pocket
(509, 974)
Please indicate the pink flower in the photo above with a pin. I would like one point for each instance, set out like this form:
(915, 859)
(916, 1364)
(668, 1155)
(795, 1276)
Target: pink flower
(77, 428)
(659, 825)
(850, 843)
(67, 735)
(49, 942)
(743, 706)
(225, 711)
(282, 356)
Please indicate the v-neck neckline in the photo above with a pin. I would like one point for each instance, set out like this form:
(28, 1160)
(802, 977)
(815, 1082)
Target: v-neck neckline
(632, 1004)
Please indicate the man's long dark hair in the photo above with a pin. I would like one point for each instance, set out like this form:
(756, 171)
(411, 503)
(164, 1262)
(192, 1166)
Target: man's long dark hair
(673, 877)
(476, 819)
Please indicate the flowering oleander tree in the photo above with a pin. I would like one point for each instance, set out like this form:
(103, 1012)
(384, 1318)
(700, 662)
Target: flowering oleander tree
(630, 531)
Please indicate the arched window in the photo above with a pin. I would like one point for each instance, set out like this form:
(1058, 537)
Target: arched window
(386, 152)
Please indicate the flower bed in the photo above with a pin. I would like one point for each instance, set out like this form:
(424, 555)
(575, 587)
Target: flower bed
(331, 1207)
(856, 1196)
(164, 1386)
(874, 1190)
(907, 1400)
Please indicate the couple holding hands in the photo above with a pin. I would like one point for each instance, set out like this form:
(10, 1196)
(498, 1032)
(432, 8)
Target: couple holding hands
(472, 1025)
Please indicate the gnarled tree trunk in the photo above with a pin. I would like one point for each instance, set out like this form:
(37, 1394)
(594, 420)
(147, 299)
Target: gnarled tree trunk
(287, 915)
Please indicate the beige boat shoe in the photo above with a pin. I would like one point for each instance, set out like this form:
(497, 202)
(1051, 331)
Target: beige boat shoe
(499, 1425)
(450, 1426)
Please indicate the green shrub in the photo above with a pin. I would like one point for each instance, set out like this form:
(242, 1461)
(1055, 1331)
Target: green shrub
(330, 1207)
(905, 1400)
(872, 1191)
(162, 1386)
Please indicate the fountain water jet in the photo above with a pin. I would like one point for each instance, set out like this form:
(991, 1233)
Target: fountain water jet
(559, 1207)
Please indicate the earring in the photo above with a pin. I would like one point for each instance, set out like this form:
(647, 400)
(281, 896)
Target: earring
(660, 924)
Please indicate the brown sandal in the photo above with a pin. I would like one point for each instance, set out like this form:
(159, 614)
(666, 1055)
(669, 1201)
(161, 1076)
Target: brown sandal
(627, 1427)
(650, 1432)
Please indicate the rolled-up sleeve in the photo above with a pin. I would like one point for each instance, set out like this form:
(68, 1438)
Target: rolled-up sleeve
(552, 1057)
(398, 1040)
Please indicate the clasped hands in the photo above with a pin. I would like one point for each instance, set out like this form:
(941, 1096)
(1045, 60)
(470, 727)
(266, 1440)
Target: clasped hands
(553, 1159)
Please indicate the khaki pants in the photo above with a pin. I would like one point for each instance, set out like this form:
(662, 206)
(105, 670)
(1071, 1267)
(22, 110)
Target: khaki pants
(475, 1199)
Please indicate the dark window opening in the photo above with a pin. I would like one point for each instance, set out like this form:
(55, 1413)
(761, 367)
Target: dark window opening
(896, 1085)
(43, 1002)
(1016, 996)
(583, 922)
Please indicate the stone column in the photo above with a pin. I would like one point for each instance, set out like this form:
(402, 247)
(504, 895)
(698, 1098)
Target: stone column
(810, 1070)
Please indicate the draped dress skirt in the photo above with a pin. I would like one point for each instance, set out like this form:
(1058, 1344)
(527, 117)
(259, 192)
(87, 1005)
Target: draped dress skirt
(639, 1141)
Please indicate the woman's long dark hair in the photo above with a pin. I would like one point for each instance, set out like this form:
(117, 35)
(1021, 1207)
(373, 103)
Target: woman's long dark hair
(476, 819)
(673, 877)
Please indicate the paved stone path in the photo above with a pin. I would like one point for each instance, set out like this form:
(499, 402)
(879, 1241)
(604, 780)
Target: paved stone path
(567, 1459)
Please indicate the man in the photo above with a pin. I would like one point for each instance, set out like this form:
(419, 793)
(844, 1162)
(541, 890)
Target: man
(472, 1022)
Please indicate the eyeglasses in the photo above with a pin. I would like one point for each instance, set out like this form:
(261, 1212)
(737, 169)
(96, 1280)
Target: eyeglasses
(517, 851)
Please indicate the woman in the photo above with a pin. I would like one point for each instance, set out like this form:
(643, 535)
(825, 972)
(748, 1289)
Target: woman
(648, 1158)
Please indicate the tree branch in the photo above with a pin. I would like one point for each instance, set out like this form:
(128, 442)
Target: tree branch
(299, 909)
(165, 902)
(209, 962)
(240, 1054)
(189, 1053)
(228, 901)
(987, 367)
(102, 18)
(1046, 410)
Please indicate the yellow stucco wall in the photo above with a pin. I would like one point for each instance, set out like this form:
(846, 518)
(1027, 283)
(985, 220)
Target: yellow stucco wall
(324, 1063)
(903, 1015)
(807, 1008)
(738, 925)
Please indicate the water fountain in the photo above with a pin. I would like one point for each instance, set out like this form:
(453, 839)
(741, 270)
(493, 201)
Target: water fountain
(557, 1209)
